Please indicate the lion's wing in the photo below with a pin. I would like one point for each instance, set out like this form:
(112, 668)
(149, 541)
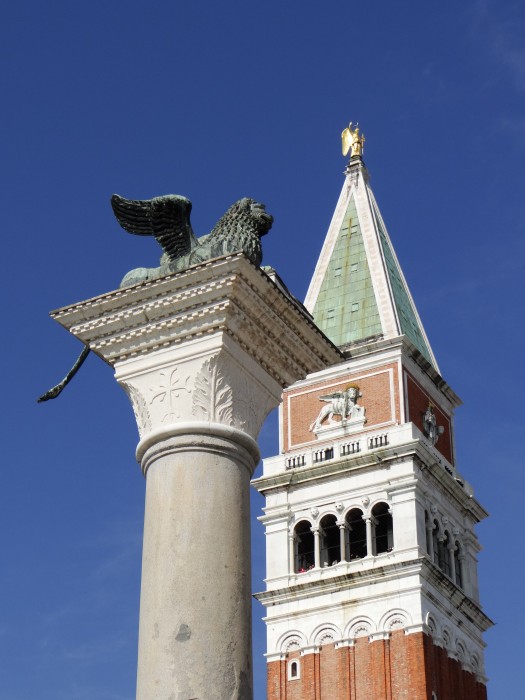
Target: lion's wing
(166, 218)
(331, 397)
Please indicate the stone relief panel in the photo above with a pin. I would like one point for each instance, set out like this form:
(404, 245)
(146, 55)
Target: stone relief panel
(348, 404)
(343, 404)
(166, 394)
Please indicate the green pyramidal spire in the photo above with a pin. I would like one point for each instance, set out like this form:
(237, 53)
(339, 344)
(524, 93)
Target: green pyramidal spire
(358, 291)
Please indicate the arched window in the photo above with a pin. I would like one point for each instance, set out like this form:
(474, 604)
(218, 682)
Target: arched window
(294, 670)
(356, 529)
(329, 541)
(435, 542)
(458, 565)
(304, 546)
(383, 532)
(444, 553)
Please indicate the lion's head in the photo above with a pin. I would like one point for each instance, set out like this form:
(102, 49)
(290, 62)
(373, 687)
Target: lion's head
(241, 228)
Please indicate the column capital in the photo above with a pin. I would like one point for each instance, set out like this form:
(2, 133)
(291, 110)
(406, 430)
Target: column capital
(213, 344)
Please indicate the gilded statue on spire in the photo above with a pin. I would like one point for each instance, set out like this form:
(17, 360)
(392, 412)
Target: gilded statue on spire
(353, 140)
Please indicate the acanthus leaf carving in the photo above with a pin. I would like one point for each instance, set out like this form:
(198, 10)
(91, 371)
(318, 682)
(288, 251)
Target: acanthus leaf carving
(226, 394)
(212, 396)
(140, 408)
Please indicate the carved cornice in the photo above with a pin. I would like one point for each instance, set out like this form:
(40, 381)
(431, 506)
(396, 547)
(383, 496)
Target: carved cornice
(227, 295)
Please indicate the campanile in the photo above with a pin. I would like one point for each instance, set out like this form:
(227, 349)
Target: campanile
(371, 567)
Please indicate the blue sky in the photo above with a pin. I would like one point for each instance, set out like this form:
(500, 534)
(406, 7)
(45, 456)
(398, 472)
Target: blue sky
(217, 101)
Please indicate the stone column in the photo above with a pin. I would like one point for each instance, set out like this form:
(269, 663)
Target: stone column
(291, 552)
(342, 540)
(203, 356)
(369, 539)
(317, 550)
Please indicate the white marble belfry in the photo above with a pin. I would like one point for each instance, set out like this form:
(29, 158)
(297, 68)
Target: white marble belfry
(203, 356)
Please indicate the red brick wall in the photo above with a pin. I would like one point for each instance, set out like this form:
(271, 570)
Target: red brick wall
(417, 405)
(304, 404)
(405, 667)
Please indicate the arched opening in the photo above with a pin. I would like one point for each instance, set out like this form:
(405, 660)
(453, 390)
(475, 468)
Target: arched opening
(294, 670)
(458, 565)
(330, 543)
(304, 546)
(435, 542)
(444, 554)
(383, 532)
(356, 529)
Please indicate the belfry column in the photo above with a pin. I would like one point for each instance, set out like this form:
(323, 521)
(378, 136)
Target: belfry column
(203, 356)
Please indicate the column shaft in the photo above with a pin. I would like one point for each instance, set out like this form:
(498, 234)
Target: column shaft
(317, 552)
(369, 540)
(342, 541)
(195, 623)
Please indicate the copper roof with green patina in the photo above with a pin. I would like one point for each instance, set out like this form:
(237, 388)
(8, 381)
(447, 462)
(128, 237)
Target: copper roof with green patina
(346, 309)
(408, 321)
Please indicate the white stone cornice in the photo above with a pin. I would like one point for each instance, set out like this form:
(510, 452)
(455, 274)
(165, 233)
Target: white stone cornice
(226, 295)
(382, 635)
(418, 627)
(465, 605)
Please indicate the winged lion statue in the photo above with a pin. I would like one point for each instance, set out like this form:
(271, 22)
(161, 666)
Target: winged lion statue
(167, 219)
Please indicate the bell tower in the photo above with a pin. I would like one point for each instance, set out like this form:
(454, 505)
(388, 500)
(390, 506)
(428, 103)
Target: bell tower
(371, 588)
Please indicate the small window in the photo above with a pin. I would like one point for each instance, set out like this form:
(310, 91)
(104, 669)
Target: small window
(354, 267)
(294, 670)
(355, 306)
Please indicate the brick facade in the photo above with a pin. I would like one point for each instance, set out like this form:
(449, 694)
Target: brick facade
(417, 401)
(380, 397)
(403, 667)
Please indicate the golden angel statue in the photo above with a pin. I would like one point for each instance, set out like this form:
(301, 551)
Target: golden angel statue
(353, 141)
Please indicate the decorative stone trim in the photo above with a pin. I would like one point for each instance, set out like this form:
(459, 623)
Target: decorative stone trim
(360, 627)
(379, 636)
(227, 295)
